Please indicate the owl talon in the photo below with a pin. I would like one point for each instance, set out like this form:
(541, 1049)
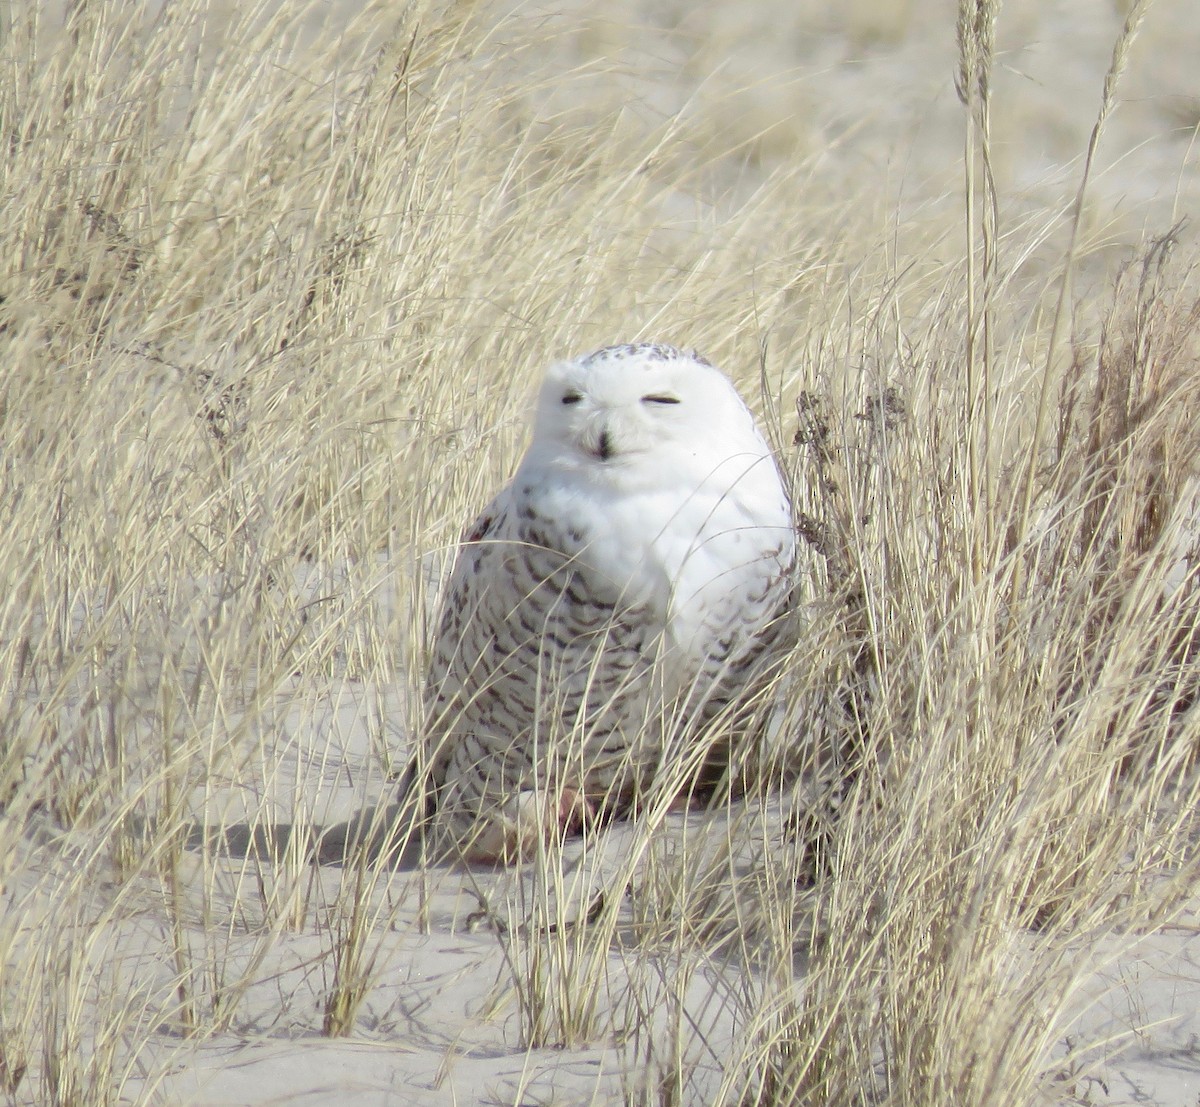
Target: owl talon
(534, 816)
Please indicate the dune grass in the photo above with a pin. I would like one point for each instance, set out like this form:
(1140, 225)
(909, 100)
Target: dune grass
(275, 293)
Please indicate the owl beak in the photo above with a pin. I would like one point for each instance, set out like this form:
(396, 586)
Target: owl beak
(599, 442)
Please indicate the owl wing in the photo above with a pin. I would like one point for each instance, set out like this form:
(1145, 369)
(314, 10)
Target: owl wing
(474, 567)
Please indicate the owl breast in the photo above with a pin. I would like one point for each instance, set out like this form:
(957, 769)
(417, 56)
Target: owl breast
(699, 562)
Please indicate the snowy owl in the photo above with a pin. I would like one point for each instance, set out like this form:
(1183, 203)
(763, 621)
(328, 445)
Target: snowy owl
(611, 602)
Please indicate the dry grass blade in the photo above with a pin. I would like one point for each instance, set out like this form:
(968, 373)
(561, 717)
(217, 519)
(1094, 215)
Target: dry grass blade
(1056, 338)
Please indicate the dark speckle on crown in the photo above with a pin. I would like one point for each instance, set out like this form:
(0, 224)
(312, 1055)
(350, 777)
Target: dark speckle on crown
(659, 351)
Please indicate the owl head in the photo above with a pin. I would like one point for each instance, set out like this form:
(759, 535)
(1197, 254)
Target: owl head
(642, 412)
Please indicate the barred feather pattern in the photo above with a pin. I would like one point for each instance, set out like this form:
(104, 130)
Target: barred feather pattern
(596, 623)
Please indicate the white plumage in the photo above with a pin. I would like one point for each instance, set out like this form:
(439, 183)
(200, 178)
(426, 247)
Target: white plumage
(610, 602)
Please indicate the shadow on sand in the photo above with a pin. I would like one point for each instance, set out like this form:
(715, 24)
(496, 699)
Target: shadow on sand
(383, 834)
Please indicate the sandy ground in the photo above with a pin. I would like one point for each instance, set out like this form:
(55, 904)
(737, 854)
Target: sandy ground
(440, 1024)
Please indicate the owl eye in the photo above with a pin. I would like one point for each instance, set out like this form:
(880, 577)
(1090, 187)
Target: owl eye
(660, 398)
(570, 398)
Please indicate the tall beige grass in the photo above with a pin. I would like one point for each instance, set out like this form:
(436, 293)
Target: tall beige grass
(275, 291)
